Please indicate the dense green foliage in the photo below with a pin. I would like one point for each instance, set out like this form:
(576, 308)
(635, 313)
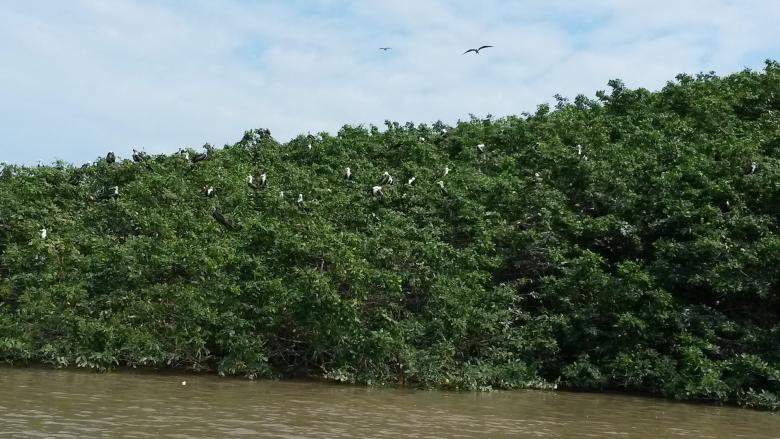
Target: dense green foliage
(650, 262)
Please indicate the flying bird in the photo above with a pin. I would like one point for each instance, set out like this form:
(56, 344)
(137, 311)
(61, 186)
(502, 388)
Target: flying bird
(385, 49)
(476, 50)
(110, 157)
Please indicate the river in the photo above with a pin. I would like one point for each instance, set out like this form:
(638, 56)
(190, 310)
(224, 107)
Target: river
(68, 404)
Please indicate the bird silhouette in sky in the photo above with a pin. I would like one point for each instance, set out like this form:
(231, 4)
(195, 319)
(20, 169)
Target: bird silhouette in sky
(476, 50)
(385, 48)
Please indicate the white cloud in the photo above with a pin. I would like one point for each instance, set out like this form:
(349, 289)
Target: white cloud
(79, 78)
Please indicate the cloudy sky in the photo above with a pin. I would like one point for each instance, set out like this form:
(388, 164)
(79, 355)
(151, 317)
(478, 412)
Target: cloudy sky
(80, 77)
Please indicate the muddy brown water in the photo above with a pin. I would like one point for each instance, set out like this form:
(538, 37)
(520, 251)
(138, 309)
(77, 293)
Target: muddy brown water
(67, 404)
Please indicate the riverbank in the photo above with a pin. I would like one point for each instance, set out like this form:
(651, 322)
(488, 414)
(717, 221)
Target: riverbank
(628, 243)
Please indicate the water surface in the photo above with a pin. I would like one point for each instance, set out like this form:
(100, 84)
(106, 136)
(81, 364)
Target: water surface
(67, 404)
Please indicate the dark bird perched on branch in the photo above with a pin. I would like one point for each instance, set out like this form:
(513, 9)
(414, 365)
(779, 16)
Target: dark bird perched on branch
(377, 191)
(110, 157)
(385, 178)
(138, 156)
(112, 194)
(217, 215)
(476, 50)
(200, 157)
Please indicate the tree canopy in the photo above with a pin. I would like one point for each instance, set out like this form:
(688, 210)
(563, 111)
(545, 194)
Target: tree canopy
(628, 242)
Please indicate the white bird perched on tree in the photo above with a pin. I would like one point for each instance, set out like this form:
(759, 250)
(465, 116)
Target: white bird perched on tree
(263, 179)
(377, 191)
(348, 174)
(300, 199)
(411, 181)
(753, 167)
(281, 194)
(391, 180)
(481, 148)
(422, 139)
(43, 233)
(579, 149)
(385, 178)
(309, 145)
(250, 181)
(446, 171)
(441, 186)
(210, 192)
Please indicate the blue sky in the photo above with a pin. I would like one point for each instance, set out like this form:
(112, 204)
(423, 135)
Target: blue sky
(82, 77)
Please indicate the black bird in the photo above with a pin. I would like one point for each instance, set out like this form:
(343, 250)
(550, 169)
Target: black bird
(217, 215)
(138, 156)
(112, 194)
(110, 157)
(385, 48)
(200, 157)
(476, 50)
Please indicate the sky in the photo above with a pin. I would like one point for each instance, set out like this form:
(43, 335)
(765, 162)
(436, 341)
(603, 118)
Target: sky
(81, 77)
